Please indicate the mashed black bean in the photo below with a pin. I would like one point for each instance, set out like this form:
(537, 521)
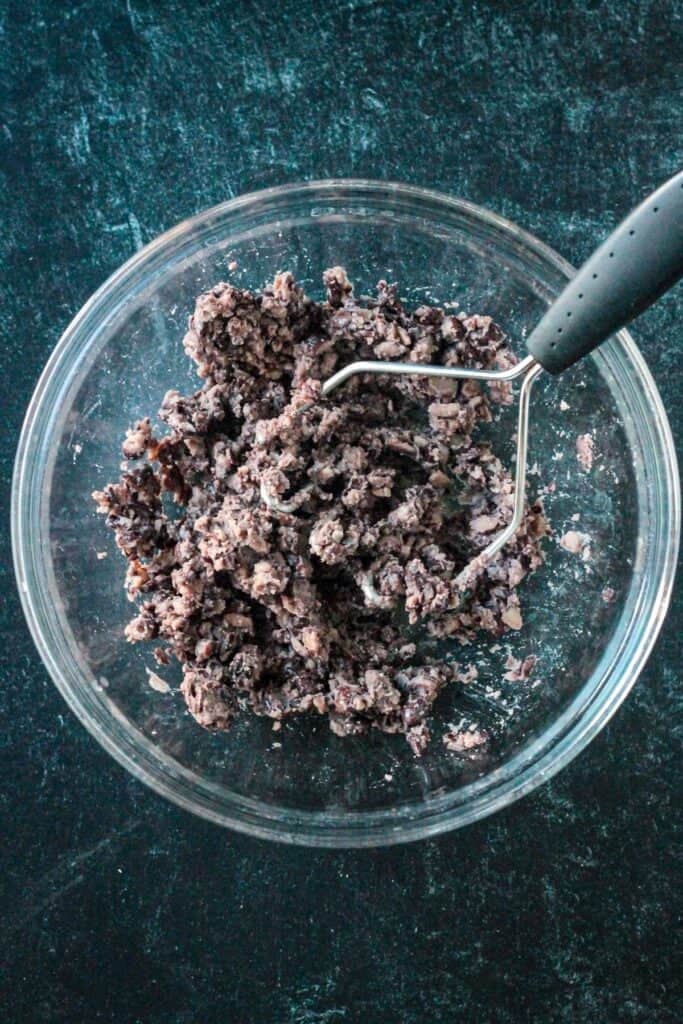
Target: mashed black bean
(316, 539)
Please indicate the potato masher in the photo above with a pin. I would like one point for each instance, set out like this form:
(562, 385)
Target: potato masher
(639, 261)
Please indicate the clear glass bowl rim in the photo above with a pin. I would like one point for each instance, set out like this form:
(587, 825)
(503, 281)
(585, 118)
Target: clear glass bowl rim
(549, 753)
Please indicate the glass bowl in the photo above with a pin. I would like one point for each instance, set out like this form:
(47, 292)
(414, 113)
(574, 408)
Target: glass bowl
(590, 623)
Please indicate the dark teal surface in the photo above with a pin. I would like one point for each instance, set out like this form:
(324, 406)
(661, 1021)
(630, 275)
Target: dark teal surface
(121, 118)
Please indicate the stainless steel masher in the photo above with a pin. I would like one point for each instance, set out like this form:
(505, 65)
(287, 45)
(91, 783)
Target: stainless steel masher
(641, 259)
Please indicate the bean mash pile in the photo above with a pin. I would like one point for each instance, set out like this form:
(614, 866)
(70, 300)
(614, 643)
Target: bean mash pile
(293, 552)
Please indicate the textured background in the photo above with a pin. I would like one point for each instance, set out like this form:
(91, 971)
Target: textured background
(121, 118)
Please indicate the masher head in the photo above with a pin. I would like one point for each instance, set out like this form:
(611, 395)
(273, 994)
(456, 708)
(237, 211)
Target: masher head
(527, 370)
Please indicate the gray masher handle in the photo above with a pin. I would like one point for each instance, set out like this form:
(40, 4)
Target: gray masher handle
(640, 260)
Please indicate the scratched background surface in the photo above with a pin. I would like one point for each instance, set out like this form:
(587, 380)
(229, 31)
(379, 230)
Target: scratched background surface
(119, 119)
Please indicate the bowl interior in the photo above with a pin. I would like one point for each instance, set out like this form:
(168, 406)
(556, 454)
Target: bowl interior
(125, 350)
